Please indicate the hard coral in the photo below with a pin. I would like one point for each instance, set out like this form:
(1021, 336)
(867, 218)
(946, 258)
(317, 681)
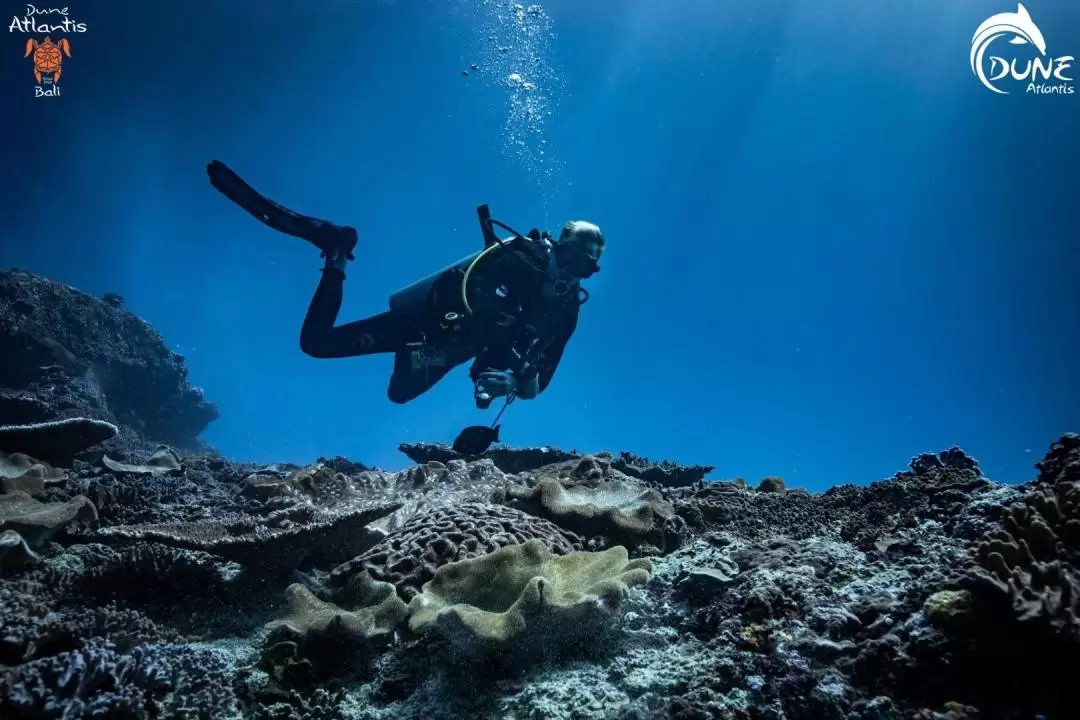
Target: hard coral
(660, 474)
(164, 461)
(773, 484)
(509, 460)
(1033, 560)
(14, 552)
(56, 441)
(159, 680)
(147, 572)
(282, 540)
(136, 380)
(19, 408)
(410, 555)
(516, 460)
(35, 521)
(622, 512)
(523, 601)
(22, 472)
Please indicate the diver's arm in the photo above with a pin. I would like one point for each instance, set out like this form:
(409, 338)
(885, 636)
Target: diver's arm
(552, 354)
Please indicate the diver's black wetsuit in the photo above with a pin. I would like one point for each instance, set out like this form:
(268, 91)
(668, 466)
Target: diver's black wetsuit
(549, 320)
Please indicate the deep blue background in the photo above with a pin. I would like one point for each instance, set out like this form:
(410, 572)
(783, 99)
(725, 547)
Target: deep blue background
(830, 248)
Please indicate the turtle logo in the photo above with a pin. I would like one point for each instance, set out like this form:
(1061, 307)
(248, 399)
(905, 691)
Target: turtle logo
(1023, 31)
(47, 56)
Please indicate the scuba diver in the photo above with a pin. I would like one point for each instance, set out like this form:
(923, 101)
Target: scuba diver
(512, 306)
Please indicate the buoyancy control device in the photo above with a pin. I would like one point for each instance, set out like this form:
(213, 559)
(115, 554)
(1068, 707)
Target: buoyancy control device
(440, 302)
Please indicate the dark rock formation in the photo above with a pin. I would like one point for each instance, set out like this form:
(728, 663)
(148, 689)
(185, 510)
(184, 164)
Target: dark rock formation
(516, 460)
(67, 354)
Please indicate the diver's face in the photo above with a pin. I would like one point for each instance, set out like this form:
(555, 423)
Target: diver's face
(580, 258)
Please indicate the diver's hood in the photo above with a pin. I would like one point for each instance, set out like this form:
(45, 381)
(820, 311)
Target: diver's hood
(559, 281)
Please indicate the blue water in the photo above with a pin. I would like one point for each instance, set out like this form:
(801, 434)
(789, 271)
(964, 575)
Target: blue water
(829, 246)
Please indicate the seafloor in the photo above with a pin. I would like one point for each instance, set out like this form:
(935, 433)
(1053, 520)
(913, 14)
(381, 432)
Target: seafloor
(142, 575)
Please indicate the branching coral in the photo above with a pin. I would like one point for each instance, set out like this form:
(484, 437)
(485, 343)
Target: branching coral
(160, 680)
(1033, 560)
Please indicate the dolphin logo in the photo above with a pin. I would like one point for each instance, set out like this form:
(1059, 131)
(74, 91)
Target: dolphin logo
(1019, 24)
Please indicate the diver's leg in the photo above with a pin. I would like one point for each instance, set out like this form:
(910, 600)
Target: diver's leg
(408, 383)
(382, 333)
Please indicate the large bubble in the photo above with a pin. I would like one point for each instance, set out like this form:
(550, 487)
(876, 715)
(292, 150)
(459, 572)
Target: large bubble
(516, 61)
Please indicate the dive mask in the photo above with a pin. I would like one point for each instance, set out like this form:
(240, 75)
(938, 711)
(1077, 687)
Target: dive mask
(578, 259)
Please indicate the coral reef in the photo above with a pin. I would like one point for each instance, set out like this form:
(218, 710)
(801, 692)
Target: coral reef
(19, 471)
(97, 681)
(58, 441)
(284, 539)
(77, 355)
(409, 556)
(36, 522)
(319, 639)
(1033, 559)
(164, 461)
(523, 599)
(619, 511)
(517, 460)
(142, 574)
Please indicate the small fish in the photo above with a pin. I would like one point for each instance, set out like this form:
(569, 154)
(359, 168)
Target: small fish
(475, 439)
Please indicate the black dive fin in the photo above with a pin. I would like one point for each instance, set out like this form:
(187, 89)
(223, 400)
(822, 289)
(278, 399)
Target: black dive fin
(324, 235)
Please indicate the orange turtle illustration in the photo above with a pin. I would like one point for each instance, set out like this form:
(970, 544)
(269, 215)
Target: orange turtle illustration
(47, 56)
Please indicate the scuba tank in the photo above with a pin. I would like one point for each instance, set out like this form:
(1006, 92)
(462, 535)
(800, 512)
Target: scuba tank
(413, 300)
(440, 300)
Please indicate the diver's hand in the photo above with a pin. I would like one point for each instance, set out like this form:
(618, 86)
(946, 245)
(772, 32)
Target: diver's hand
(495, 383)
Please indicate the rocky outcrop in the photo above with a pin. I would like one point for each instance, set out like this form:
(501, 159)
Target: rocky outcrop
(68, 354)
(516, 460)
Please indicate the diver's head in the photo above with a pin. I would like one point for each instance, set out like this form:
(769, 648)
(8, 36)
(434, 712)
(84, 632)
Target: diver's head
(579, 249)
